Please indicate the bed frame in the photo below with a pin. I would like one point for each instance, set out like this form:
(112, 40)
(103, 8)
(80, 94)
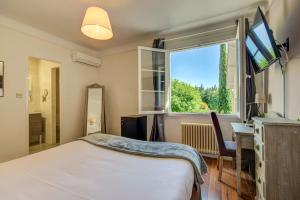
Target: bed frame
(196, 195)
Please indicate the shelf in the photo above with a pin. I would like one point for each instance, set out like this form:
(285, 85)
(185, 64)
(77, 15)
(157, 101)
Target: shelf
(159, 67)
(150, 110)
(152, 70)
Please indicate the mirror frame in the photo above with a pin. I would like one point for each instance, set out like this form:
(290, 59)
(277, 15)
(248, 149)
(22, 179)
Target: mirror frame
(2, 63)
(103, 121)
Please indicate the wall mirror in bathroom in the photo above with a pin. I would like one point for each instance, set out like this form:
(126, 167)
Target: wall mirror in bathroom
(95, 115)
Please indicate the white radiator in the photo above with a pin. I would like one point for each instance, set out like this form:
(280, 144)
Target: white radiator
(200, 136)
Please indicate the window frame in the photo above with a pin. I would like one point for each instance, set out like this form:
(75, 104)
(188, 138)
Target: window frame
(231, 32)
(167, 69)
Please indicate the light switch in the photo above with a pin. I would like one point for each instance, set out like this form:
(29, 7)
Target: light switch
(19, 95)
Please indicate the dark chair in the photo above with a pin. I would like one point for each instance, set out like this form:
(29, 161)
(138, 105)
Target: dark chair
(226, 148)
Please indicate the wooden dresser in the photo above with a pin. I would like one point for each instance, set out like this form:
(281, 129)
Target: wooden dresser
(277, 158)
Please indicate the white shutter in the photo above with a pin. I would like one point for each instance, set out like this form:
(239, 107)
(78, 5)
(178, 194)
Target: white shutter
(241, 61)
(203, 38)
(153, 100)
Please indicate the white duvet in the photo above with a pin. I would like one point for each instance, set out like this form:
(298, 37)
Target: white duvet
(79, 170)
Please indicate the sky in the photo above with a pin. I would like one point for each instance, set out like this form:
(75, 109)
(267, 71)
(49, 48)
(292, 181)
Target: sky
(197, 66)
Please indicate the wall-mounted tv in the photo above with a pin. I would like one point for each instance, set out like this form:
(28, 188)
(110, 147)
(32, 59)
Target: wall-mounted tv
(260, 43)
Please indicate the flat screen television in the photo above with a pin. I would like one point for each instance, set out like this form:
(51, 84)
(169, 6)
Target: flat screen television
(260, 44)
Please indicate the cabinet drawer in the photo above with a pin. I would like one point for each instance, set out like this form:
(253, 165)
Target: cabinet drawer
(259, 131)
(35, 120)
(35, 124)
(259, 166)
(259, 148)
(260, 188)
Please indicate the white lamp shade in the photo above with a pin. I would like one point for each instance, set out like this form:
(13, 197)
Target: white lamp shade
(96, 24)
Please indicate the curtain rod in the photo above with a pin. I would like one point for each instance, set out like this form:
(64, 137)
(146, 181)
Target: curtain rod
(196, 34)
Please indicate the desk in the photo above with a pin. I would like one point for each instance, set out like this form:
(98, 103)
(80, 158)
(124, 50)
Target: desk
(244, 136)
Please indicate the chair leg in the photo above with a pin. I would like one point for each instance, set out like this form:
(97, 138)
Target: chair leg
(220, 168)
(218, 162)
(233, 163)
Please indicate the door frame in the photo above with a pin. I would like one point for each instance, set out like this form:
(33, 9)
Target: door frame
(59, 64)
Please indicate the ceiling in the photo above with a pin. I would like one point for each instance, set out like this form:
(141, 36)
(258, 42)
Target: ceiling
(130, 19)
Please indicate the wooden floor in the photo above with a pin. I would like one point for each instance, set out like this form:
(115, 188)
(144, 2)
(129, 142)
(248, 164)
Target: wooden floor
(213, 189)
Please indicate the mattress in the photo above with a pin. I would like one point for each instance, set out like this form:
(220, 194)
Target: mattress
(79, 170)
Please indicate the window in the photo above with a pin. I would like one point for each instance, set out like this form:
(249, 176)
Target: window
(204, 79)
(206, 74)
(153, 81)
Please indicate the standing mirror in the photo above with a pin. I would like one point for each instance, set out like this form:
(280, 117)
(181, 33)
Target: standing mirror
(1, 78)
(95, 116)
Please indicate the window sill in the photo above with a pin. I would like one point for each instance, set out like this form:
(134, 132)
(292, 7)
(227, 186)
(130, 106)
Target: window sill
(184, 114)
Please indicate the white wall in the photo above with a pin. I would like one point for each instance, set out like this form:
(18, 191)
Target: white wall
(15, 48)
(284, 18)
(119, 76)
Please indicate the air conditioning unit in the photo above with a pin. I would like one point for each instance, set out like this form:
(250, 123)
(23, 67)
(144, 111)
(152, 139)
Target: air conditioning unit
(85, 59)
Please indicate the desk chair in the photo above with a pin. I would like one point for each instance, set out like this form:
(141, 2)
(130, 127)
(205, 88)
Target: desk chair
(228, 148)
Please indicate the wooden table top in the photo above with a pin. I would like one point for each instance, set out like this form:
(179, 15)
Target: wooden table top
(241, 128)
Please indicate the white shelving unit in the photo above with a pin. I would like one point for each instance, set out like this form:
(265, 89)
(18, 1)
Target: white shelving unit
(153, 98)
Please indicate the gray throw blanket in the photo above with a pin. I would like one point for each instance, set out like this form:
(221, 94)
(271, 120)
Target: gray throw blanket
(152, 149)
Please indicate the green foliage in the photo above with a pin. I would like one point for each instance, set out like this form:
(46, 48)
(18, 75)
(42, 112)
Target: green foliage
(224, 93)
(211, 97)
(186, 98)
(203, 107)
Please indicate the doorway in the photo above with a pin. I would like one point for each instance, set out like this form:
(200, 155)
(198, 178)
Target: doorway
(43, 104)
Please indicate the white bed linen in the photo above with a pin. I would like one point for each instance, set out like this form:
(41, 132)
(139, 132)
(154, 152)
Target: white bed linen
(79, 170)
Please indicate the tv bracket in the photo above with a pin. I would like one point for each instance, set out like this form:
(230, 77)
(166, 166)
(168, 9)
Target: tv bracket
(285, 45)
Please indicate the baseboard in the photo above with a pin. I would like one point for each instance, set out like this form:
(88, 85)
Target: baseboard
(215, 156)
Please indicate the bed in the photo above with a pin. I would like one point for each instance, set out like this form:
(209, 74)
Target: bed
(81, 170)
